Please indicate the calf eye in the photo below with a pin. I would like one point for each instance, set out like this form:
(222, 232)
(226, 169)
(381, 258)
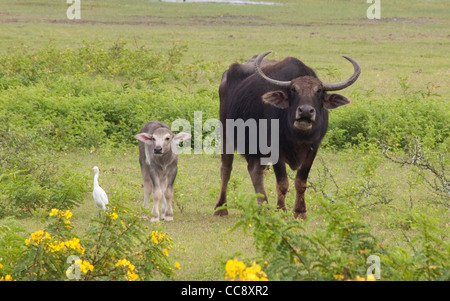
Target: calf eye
(167, 138)
(153, 139)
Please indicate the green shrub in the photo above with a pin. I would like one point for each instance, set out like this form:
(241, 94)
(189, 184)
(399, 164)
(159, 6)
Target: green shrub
(335, 243)
(92, 96)
(390, 121)
(31, 179)
(114, 247)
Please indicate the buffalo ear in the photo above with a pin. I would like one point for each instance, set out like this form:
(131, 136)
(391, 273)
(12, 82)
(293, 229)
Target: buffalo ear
(144, 137)
(277, 99)
(333, 101)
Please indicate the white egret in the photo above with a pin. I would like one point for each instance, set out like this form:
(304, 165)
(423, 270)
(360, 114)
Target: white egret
(100, 196)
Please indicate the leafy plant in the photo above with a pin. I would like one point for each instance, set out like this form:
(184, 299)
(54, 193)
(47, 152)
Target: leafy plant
(115, 247)
(335, 243)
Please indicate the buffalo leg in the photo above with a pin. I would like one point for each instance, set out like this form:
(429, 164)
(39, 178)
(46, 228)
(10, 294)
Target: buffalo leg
(157, 197)
(147, 186)
(256, 171)
(225, 172)
(169, 196)
(300, 185)
(282, 184)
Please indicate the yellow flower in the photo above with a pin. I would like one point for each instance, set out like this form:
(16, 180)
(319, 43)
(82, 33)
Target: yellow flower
(155, 236)
(165, 252)
(177, 265)
(123, 262)
(54, 212)
(132, 276)
(74, 244)
(254, 273)
(84, 265)
(38, 237)
(114, 216)
(6, 278)
(371, 277)
(339, 277)
(67, 214)
(237, 270)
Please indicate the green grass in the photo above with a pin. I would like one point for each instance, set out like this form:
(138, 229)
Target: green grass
(408, 46)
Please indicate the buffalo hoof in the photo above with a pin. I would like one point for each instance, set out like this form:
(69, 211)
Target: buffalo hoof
(221, 212)
(301, 215)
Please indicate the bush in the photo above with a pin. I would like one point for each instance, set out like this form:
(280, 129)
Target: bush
(390, 121)
(92, 96)
(31, 179)
(115, 247)
(335, 243)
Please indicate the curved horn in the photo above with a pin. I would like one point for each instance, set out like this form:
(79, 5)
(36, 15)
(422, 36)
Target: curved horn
(348, 82)
(277, 83)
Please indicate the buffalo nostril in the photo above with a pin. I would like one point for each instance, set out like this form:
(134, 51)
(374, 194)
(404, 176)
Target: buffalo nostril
(306, 111)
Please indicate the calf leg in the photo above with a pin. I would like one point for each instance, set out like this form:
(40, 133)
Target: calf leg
(225, 172)
(168, 215)
(256, 171)
(282, 184)
(147, 184)
(157, 196)
(169, 194)
(163, 184)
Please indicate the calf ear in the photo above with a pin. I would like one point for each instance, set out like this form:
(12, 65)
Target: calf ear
(333, 101)
(181, 137)
(144, 137)
(277, 99)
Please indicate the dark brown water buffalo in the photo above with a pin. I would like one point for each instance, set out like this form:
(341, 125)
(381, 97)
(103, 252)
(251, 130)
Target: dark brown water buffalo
(290, 93)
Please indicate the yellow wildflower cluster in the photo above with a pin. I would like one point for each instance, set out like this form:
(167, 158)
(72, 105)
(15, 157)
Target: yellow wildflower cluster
(84, 266)
(157, 237)
(6, 277)
(114, 215)
(37, 237)
(73, 244)
(237, 270)
(131, 275)
(65, 214)
(369, 278)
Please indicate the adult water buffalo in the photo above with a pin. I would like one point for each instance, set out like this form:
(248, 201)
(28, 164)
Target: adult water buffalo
(287, 91)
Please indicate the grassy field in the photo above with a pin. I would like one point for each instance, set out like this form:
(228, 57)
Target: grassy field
(403, 55)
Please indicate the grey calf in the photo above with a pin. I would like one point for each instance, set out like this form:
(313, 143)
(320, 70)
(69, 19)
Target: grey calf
(159, 166)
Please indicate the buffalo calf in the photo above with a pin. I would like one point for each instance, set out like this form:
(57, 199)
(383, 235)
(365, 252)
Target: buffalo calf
(159, 166)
